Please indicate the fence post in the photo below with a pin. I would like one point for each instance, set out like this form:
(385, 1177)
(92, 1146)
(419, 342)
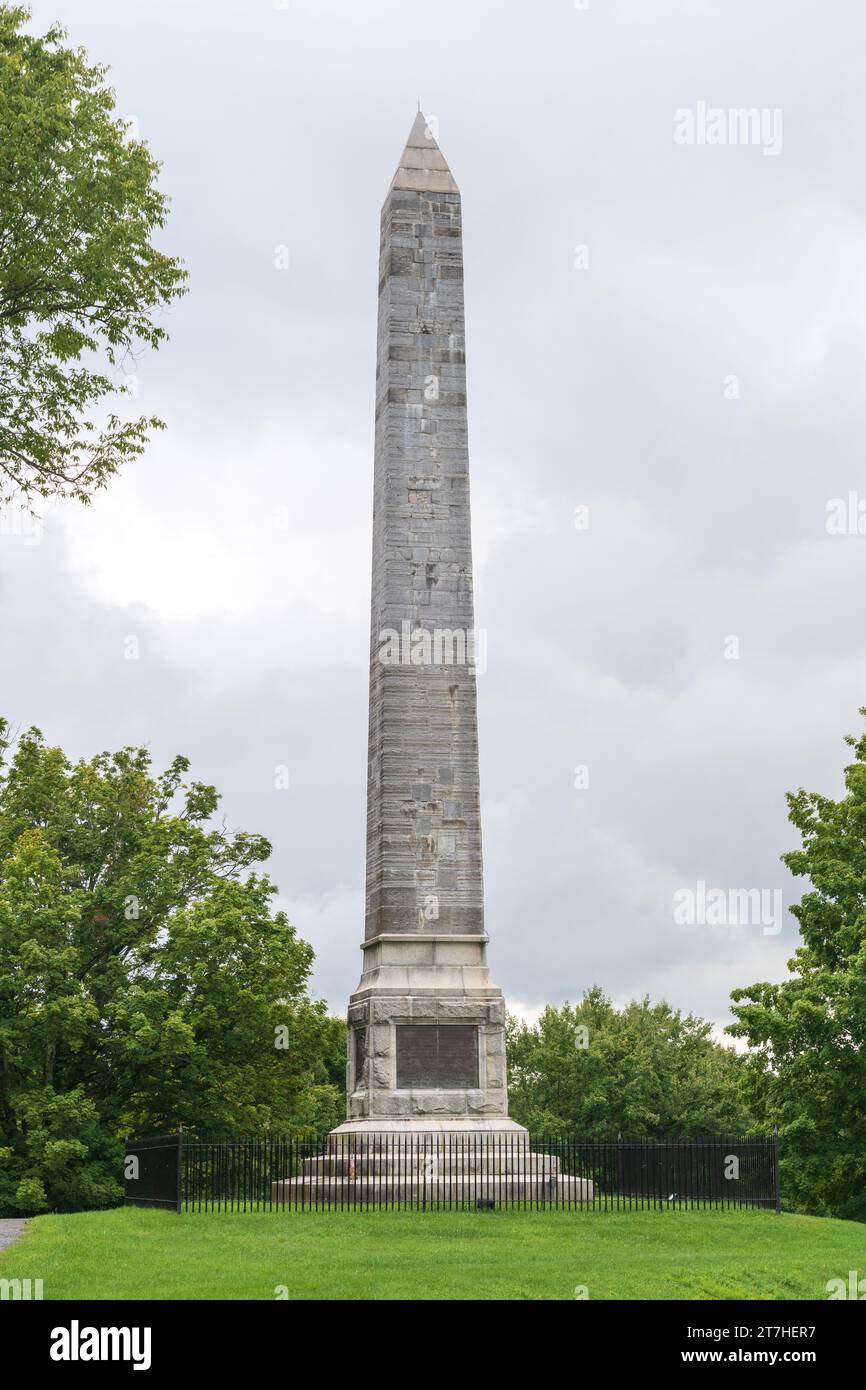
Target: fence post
(776, 1184)
(179, 1167)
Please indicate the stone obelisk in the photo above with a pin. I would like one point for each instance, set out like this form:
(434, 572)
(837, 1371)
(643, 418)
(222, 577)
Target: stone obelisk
(427, 1101)
(426, 1023)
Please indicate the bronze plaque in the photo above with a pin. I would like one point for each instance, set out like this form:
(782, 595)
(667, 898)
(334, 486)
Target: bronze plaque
(437, 1056)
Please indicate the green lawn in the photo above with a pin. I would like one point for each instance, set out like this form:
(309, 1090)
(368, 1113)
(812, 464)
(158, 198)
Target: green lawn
(131, 1253)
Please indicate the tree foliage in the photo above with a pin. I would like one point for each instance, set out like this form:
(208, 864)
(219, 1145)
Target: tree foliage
(644, 1071)
(80, 276)
(809, 1032)
(146, 981)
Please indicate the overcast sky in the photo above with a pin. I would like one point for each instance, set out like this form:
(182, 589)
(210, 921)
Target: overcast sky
(694, 377)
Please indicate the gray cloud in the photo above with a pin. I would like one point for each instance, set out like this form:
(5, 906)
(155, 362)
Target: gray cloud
(238, 550)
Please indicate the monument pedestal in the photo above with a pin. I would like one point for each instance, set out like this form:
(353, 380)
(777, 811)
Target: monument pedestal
(426, 1034)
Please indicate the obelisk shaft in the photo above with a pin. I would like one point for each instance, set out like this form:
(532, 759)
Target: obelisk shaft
(423, 826)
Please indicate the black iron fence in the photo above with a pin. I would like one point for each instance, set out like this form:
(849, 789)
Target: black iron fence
(452, 1170)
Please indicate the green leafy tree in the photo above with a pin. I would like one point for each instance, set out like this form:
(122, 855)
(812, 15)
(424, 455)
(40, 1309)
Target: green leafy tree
(80, 277)
(645, 1071)
(146, 981)
(809, 1032)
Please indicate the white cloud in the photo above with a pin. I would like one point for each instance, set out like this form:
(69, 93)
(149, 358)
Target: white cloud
(232, 525)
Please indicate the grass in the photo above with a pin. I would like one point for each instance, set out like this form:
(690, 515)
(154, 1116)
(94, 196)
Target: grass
(130, 1253)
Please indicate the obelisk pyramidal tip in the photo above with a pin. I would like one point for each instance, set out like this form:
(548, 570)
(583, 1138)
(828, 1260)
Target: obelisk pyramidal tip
(426, 1024)
(422, 165)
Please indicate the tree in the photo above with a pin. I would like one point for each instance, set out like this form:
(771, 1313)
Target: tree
(145, 980)
(809, 1031)
(80, 277)
(644, 1071)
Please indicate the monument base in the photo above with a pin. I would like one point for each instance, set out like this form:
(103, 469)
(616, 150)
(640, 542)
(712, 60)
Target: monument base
(430, 1163)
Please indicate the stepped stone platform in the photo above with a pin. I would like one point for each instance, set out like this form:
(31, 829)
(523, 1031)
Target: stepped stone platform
(429, 1167)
